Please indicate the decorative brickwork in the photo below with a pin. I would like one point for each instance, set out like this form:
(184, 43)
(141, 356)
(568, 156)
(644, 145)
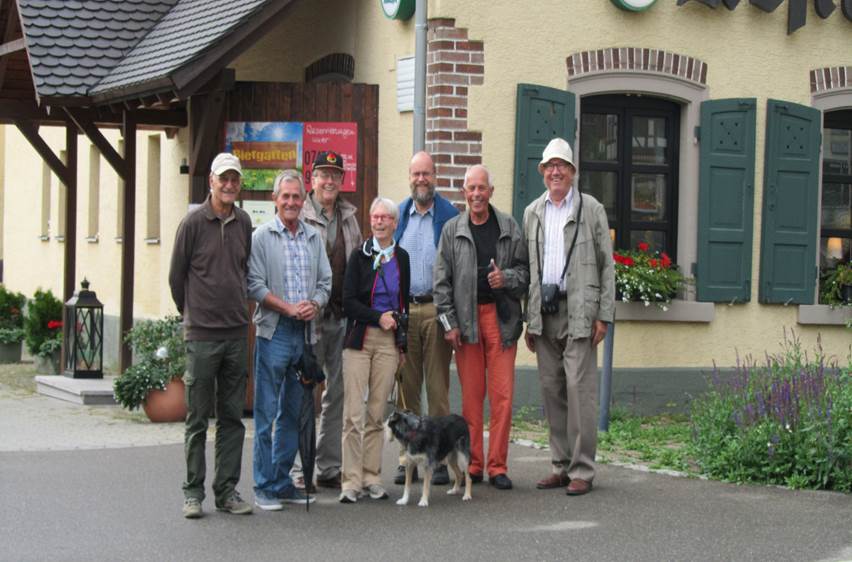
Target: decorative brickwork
(830, 78)
(454, 63)
(632, 58)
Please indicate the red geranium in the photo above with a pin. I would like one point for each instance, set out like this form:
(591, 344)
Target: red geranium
(643, 246)
(667, 261)
(54, 324)
(654, 262)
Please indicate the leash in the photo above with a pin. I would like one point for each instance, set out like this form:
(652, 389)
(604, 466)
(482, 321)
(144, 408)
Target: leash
(399, 392)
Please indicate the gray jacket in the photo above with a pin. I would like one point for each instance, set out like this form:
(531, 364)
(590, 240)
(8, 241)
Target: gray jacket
(266, 273)
(454, 277)
(590, 279)
(348, 222)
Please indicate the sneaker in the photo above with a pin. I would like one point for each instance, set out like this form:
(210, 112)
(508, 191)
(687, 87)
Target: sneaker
(268, 504)
(298, 497)
(400, 475)
(441, 477)
(376, 492)
(192, 508)
(235, 505)
(348, 496)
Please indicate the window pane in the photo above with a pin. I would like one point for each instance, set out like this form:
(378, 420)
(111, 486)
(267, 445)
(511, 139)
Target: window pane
(655, 239)
(648, 197)
(838, 151)
(599, 138)
(834, 250)
(836, 205)
(649, 140)
(601, 186)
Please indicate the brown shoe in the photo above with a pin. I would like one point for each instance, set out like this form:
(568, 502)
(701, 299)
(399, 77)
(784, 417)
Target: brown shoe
(578, 487)
(333, 482)
(553, 481)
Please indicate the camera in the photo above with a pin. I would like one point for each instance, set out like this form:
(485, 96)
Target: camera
(549, 298)
(401, 334)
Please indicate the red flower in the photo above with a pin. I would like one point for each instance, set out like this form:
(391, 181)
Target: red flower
(628, 261)
(666, 260)
(54, 324)
(643, 246)
(653, 262)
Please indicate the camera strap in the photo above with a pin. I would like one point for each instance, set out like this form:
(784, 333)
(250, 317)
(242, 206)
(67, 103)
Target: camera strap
(570, 248)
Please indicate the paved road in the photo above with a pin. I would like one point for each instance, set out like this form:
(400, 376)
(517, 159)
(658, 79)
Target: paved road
(124, 504)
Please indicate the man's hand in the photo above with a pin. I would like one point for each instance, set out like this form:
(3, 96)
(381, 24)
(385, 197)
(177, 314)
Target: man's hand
(306, 311)
(386, 321)
(530, 340)
(600, 332)
(496, 279)
(453, 337)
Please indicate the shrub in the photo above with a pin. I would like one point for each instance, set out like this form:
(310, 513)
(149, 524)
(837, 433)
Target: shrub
(786, 421)
(11, 316)
(43, 324)
(160, 356)
(831, 285)
(645, 276)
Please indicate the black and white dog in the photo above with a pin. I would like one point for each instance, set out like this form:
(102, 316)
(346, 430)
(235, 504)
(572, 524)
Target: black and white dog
(431, 441)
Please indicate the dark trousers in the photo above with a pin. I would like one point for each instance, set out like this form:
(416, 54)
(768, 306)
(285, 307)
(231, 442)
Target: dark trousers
(215, 374)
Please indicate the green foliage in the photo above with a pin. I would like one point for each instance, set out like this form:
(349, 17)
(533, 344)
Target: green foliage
(11, 316)
(11, 335)
(43, 323)
(831, 284)
(160, 355)
(645, 276)
(786, 421)
(659, 441)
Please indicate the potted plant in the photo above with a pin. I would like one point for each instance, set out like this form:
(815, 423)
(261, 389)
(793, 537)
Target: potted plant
(43, 330)
(11, 325)
(645, 276)
(836, 285)
(155, 380)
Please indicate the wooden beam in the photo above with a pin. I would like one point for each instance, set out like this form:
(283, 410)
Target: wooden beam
(11, 20)
(12, 46)
(11, 111)
(86, 125)
(206, 121)
(30, 132)
(128, 239)
(70, 184)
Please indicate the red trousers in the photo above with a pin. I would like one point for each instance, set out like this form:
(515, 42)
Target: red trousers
(487, 366)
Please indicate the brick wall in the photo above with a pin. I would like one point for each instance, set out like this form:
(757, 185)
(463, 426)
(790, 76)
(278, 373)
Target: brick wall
(454, 64)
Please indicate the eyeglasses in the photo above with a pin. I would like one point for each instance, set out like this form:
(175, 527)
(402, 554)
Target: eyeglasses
(378, 218)
(559, 165)
(326, 175)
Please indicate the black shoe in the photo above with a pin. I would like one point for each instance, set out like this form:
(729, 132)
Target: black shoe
(476, 477)
(400, 475)
(441, 477)
(501, 482)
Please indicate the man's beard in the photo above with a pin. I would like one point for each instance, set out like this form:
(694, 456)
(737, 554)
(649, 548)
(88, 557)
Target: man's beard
(424, 198)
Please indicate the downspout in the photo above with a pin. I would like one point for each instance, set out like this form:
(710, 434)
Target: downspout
(420, 29)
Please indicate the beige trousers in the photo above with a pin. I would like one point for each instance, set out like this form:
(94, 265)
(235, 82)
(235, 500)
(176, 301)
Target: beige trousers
(569, 389)
(368, 377)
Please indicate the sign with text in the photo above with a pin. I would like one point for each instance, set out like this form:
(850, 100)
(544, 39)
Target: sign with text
(266, 147)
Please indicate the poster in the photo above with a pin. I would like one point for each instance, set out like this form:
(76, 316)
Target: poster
(265, 148)
(259, 211)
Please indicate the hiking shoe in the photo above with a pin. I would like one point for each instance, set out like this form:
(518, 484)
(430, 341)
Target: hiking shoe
(268, 504)
(235, 505)
(192, 508)
(297, 496)
(400, 475)
(376, 492)
(348, 496)
(441, 477)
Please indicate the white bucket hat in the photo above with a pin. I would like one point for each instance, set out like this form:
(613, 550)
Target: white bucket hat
(557, 148)
(226, 161)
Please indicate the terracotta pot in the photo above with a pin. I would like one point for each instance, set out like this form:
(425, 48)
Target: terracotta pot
(10, 352)
(167, 405)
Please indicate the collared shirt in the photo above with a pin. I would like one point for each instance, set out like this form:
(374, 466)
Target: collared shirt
(555, 218)
(297, 267)
(418, 241)
(330, 222)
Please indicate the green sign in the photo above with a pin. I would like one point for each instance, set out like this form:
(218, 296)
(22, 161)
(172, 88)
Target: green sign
(634, 5)
(397, 9)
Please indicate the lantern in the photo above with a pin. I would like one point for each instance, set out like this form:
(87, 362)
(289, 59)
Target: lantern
(83, 329)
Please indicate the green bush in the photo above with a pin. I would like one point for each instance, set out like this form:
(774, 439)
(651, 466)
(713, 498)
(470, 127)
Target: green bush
(160, 356)
(785, 421)
(11, 316)
(831, 283)
(43, 324)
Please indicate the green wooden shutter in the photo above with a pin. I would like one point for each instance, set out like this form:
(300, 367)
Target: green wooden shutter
(788, 268)
(542, 114)
(726, 200)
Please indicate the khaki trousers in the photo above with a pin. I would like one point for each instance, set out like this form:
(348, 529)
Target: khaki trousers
(368, 377)
(569, 388)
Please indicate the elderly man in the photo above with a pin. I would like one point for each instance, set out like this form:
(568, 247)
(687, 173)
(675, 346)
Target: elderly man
(571, 303)
(481, 273)
(335, 219)
(422, 216)
(208, 284)
(290, 278)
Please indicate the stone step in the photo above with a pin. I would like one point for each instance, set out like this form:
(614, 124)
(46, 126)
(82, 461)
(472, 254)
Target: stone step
(90, 392)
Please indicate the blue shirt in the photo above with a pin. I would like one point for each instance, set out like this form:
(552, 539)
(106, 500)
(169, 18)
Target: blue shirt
(386, 291)
(417, 240)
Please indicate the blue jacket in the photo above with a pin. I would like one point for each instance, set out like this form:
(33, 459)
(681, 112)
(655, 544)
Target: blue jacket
(444, 211)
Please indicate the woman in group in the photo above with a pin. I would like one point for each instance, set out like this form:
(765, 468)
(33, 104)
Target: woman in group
(375, 296)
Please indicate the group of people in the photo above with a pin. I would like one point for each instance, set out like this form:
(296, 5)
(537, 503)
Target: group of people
(429, 281)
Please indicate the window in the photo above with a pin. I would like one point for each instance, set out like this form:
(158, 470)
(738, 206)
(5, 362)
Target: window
(94, 193)
(45, 201)
(63, 202)
(628, 162)
(152, 230)
(835, 243)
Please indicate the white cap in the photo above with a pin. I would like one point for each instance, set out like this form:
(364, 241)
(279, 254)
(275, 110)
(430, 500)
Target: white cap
(226, 161)
(557, 148)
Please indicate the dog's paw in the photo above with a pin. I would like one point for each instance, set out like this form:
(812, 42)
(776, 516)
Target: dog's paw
(453, 491)
(423, 502)
(467, 498)
(402, 501)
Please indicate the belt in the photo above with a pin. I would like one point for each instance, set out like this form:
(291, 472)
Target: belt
(421, 299)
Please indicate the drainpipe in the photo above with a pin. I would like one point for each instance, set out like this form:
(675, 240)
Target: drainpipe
(420, 28)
